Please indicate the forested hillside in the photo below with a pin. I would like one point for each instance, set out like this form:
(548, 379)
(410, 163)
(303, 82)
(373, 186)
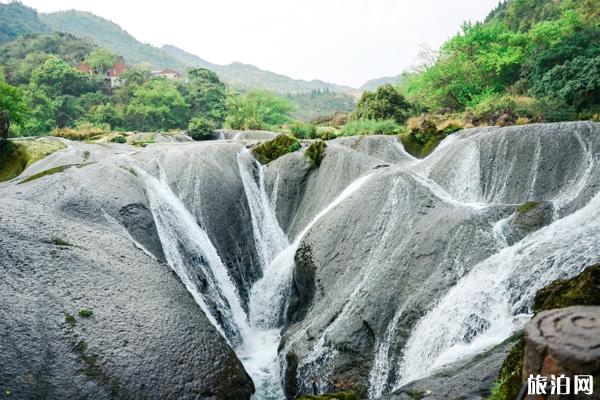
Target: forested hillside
(538, 57)
(17, 20)
(109, 35)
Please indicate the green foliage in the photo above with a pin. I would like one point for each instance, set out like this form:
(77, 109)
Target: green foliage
(17, 19)
(156, 105)
(19, 58)
(370, 127)
(201, 129)
(206, 95)
(303, 130)
(315, 152)
(576, 82)
(11, 100)
(57, 78)
(530, 48)
(85, 312)
(273, 149)
(60, 242)
(257, 109)
(101, 60)
(318, 102)
(508, 383)
(327, 132)
(386, 102)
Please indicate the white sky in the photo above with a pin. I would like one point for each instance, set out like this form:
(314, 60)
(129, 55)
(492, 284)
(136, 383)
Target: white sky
(341, 41)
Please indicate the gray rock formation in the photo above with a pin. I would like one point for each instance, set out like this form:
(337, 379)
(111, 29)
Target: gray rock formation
(145, 339)
(392, 286)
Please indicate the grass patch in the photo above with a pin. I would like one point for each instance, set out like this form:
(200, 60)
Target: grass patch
(416, 394)
(508, 383)
(273, 149)
(52, 171)
(85, 312)
(82, 132)
(371, 127)
(16, 155)
(526, 207)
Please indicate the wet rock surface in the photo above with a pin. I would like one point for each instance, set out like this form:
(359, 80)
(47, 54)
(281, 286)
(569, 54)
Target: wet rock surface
(145, 339)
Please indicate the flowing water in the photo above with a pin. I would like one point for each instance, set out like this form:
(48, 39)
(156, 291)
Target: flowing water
(489, 301)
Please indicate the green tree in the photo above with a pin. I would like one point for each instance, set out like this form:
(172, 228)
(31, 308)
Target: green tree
(12, 106)
(157, 104)
(257, 109)
(576, 82)
(201, 129)
(101, 60)
(206, 95)
(41, 117)
(57, 78)
(386, 102)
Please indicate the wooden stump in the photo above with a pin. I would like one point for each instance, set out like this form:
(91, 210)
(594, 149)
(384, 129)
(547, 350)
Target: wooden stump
(564, 341)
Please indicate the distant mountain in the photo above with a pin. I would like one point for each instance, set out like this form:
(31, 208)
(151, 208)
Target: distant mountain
(246, 76)
(374, 83)
(107, 34)
(17, 20)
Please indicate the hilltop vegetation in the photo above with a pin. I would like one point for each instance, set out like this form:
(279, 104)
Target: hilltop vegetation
(18, 20)
(543, 54)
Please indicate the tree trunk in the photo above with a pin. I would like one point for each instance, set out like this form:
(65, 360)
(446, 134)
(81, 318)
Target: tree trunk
(4, 125)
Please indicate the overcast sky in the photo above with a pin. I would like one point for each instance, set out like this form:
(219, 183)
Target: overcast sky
(341, 41)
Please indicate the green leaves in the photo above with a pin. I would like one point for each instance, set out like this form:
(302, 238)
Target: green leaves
(385, 103)
(257, 109)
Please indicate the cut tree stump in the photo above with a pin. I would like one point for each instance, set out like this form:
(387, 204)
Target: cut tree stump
(564, 341)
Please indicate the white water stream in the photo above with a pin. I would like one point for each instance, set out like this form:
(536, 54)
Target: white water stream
(486, 305)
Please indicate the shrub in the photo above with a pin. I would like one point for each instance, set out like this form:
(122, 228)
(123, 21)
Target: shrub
(386, 102)
(303, 130)
(426, 131)
(201, 129)
(83, 131)
(370, 127)
(119, 139)
(85, 312)
(273, 149)
(315, 153)
(327, 132)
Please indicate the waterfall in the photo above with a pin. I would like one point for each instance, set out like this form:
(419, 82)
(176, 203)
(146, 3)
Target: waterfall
(268, 235)
(191, 254)
(268, 297)
(492, 300)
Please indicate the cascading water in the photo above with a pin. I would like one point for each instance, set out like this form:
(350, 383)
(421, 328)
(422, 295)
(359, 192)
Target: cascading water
(268, 298)
(489, 302)
(193, 257)
(492, 301)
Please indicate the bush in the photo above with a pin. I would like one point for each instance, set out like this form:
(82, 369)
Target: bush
(201, 129)
(503, 110)
(119, 139)
(327, 132)
(83, 131)
(315, 153)
(386, 102)
(426, 131)
(370, 127)
(303, 130)
(275, 148)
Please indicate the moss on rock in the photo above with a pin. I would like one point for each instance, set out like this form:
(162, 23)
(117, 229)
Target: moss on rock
(315, 153)
(16, 155)
(273, 149)
(582, 290)
(508, 384)
(526, 207)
